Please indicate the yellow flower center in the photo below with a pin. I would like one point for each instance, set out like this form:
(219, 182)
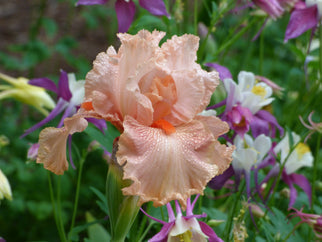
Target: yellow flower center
(302, 149)
(259, 90)
(185, 237)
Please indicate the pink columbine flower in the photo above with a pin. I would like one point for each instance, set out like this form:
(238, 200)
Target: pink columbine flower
(305, 16)
(153, 95)
(125, 10)
(244, 100)
(312, 126)
(313, 220)
(184, 228)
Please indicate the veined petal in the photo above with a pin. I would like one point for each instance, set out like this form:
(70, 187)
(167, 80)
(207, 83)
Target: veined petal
(52, 144)
(169, 167)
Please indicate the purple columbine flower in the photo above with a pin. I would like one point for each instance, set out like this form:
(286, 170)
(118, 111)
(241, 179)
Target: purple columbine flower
(125, 10)
(70, 95)
(244, 101)
(271, 7)
(305, 16)
(222, 70)
(313, 220)
(184, 228)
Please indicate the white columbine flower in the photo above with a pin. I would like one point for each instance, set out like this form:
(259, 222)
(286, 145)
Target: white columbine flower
(5, 189)
(301, 156)
(250, 152)
(248, 92)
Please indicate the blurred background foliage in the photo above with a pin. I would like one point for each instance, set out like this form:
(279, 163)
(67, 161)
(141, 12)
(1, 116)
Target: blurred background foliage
(40, 37)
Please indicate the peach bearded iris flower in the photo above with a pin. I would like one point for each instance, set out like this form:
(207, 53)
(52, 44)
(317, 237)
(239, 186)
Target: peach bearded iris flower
(153, 95)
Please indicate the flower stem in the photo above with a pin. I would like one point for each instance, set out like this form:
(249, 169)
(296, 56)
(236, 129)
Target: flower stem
(315, 169)
(261, 53)
(320, 50)
(81, 163)
(233, 211)
(195, 17)
(59, 214)
(52, 198)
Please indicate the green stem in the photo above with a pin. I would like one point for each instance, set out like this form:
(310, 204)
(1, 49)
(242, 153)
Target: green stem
(216, 16)
(315, 169)
(59, 211)
(80, 169)
(52, 198)
(140, 233)
(195, 17)
(146, 231)
(261, 53)
(320, 51)
(235, 37)
(233, 210)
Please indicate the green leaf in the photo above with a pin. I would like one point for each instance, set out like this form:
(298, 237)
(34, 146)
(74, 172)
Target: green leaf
(50, 27)
(96, 232)
(102, 203)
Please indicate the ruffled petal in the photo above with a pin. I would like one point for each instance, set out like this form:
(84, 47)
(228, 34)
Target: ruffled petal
(194, 90)
(169, 167)
(180, 55)
(118, 76)
(52, 144)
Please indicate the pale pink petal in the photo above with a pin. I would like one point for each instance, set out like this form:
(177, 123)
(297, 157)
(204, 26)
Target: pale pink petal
(194, 85)
(118, 75)
(181, 52)
(52, 144)
(216, 126)
(169, 167)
